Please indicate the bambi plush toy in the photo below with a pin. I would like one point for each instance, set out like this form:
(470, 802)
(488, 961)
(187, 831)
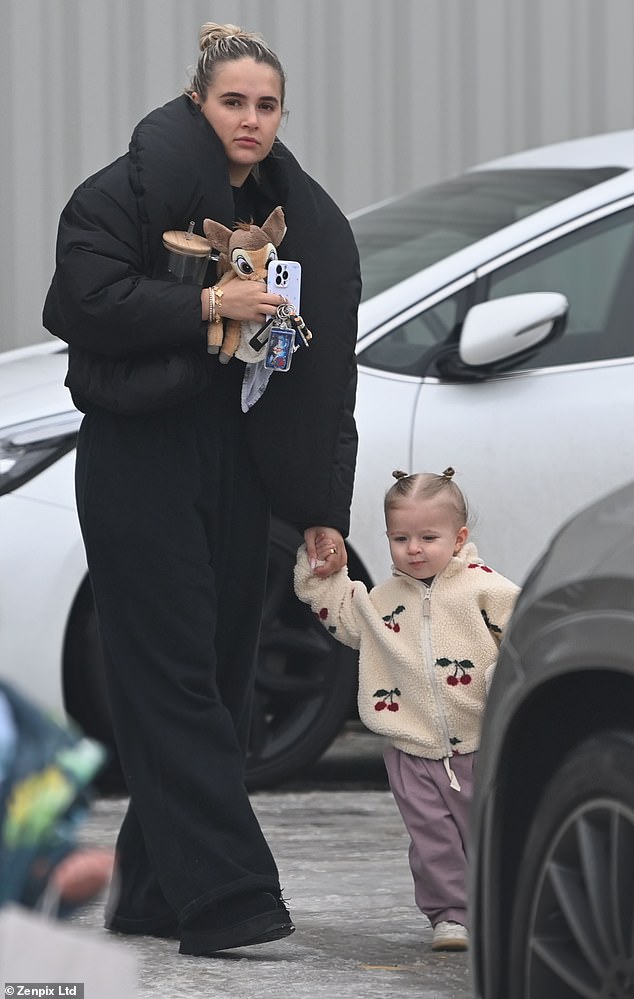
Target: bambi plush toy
(245, 253)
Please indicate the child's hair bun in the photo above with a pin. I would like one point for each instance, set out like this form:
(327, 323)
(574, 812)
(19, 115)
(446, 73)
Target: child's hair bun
(449, 473)
(398, 474)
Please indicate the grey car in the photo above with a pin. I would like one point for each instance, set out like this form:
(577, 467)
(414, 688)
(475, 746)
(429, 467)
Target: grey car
(552, 883)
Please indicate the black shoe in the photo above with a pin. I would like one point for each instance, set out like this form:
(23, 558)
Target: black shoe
(242, 922)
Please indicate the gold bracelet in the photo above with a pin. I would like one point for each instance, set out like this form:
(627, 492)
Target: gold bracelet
(212, 306)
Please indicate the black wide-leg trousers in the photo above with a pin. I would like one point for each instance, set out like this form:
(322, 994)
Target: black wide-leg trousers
(176, 525)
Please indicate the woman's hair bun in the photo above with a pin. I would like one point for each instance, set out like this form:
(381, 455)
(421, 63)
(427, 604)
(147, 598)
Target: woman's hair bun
(398, 474)
(212, 32)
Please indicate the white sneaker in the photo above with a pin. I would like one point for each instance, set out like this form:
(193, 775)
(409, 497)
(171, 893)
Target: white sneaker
(450, 936)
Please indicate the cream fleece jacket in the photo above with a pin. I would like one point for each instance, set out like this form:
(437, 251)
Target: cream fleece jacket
(423, 650)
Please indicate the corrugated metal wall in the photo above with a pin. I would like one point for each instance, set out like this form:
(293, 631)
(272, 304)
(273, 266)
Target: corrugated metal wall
(384, 95)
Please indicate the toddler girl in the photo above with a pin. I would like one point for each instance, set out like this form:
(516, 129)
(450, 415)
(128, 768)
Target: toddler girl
(428, 639)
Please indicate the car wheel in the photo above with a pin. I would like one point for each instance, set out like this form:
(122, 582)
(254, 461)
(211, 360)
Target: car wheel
(305, 683)
(573, 921)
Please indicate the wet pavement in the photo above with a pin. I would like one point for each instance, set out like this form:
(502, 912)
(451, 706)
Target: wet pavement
(342, 853)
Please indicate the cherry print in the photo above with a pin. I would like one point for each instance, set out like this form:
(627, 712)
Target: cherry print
(387, 699)
(389, 619)
(460, 670)
(477, 565)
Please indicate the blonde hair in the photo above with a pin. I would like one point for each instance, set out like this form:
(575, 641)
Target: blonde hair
(428, 485)
(223, 43)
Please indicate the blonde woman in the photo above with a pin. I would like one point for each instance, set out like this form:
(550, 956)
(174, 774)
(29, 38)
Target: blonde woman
(175, 483)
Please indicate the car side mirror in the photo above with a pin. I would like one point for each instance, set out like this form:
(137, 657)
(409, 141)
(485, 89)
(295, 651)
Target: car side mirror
(508, 327)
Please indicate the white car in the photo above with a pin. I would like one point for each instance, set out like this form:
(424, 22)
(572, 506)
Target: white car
(496, 335)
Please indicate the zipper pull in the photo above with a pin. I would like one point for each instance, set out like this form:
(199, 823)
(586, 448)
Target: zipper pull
(427, 602)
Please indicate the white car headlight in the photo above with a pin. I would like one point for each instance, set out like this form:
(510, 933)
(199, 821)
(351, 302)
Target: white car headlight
(28, 448)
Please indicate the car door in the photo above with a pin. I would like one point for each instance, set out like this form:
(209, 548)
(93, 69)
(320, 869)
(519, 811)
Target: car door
(533, 443)
(389, 387)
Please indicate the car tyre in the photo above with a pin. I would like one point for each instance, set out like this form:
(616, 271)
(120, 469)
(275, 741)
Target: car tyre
(573, 920)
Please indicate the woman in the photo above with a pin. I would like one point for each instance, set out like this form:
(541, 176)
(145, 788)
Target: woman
(175, 483)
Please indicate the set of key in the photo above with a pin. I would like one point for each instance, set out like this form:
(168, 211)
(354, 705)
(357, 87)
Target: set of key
(284, 319)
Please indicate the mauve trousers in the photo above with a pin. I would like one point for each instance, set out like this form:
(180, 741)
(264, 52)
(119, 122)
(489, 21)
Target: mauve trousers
(176, 527)
(437, 820)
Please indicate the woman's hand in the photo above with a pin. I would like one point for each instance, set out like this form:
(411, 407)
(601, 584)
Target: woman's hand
(326, 550)
(246, 301)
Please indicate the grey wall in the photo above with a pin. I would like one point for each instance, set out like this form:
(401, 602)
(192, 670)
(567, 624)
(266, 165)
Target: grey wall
(384, 95)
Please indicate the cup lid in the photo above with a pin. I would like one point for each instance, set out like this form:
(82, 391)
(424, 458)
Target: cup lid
(185, 243)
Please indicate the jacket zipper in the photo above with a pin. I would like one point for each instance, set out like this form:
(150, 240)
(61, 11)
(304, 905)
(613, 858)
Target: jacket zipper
(429, 661)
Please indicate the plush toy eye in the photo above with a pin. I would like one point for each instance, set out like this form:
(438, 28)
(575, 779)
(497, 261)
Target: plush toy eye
(242, 265)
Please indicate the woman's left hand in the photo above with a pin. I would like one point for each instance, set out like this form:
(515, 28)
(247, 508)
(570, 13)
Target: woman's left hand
(326, 550)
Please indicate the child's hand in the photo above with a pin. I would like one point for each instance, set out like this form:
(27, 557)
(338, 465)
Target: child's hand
(326, 550)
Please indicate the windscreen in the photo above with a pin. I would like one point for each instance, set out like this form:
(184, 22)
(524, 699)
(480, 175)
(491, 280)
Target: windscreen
(410, 233)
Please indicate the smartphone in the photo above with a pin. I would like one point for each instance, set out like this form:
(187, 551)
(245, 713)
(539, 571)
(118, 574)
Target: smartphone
(284, 277)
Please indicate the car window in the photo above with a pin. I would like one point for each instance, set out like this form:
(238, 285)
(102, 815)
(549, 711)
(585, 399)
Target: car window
(406, 234)
(407, 348)
(592, 267)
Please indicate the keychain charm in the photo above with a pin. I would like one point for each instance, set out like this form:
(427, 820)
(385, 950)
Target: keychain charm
(279, 353)
(259, 339)
(282, 331)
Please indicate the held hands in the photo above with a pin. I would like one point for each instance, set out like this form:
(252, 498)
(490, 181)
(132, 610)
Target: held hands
(326, 550)
(246, 301)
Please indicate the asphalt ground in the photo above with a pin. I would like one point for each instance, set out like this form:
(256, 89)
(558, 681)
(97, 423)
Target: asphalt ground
(342, 853)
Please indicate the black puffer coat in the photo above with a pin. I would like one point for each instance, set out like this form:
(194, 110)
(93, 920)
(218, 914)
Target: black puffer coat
(136, 339)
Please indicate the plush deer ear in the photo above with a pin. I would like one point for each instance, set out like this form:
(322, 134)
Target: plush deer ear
(217, 235)
(275, 226)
